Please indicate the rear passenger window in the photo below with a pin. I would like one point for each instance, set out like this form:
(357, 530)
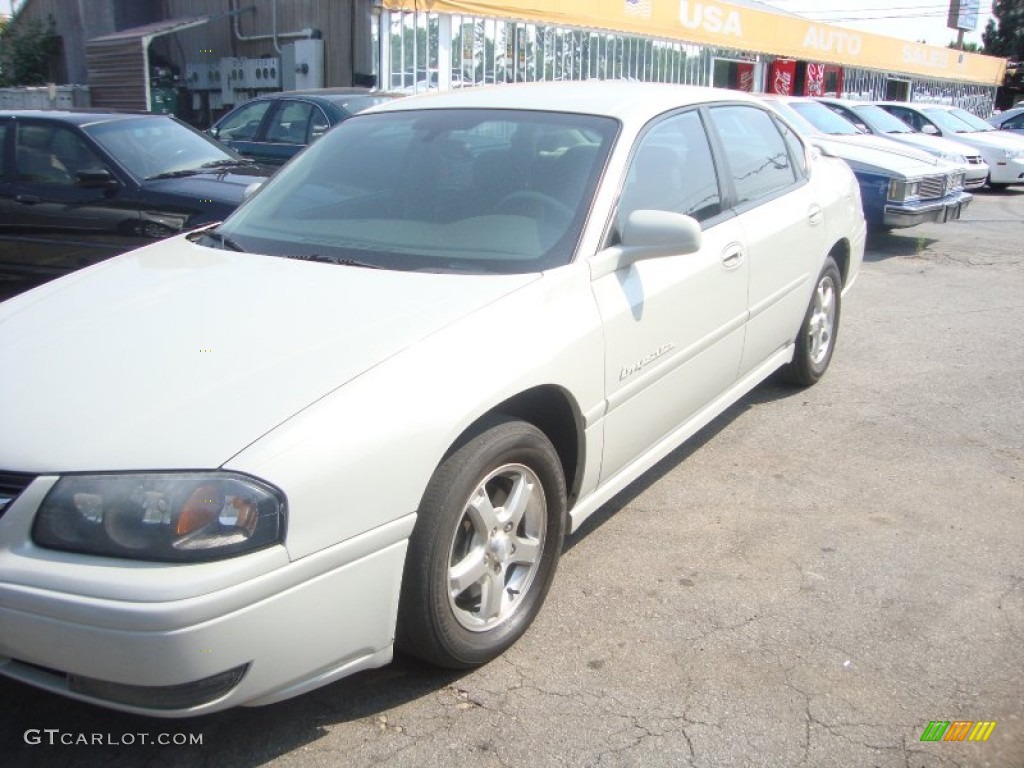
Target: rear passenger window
(797, 150)
(673, 170)
(290, 124)
(3, 150)
(759, 162)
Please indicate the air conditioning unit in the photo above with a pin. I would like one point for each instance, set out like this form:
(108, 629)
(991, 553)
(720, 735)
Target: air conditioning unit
(302, 65)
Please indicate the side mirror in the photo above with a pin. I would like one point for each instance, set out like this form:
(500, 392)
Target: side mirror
(213, 131)
(648, 235)
(930, 129)
(95, 178)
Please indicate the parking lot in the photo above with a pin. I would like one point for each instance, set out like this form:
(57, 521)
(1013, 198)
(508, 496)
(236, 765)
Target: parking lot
(809, 582)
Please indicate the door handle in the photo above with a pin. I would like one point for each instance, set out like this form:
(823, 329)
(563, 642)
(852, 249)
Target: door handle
(28, 199)
(814, 214)
(732, 258)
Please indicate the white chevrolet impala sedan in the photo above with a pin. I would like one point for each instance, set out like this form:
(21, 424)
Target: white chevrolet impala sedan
(363, 412)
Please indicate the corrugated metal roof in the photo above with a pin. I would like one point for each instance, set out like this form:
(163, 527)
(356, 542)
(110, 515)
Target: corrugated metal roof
(156, 29)
(118, 63)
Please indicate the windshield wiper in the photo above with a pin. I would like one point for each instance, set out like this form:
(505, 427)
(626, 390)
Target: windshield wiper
(224, 240)
(229, 163)
(328, 260)
(174, 174)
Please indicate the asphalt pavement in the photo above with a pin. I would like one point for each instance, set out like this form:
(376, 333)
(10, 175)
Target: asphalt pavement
(811, 581)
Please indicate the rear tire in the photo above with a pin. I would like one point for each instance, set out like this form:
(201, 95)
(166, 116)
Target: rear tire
(816, 339)
(485, 547)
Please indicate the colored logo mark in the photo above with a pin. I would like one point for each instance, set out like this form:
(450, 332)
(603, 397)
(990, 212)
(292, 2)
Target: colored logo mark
(958, 730)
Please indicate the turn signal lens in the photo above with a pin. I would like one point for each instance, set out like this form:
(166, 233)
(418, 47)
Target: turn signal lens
(200, 509)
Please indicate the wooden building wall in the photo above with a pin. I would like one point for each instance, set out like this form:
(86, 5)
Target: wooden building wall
(81, 20)
(332, 18)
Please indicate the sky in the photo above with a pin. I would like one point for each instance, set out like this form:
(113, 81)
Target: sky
(905, 19)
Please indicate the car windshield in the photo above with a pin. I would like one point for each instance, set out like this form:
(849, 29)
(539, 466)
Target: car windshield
(149, 147)
(972, 120)
(948, 121)
(436, 190)
(798, 121)
(824, 119)
(882, 120)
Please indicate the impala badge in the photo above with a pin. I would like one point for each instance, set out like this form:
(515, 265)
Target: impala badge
(645, 361)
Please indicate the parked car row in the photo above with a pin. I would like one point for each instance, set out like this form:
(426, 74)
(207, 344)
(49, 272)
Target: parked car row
(78, 187)
(1003, 151)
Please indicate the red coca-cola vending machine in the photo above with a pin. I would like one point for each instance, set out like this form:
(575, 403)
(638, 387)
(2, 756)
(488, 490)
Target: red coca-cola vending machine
(814, 82)
(783, 76)
(823, 80)
(745, 76)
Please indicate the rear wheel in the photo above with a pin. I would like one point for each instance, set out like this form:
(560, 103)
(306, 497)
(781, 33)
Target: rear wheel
(485, 547)
(817, 337)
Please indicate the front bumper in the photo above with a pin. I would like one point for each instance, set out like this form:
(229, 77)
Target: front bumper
(1007, 171)
(976, 176)
(949, 208)
(263, 629)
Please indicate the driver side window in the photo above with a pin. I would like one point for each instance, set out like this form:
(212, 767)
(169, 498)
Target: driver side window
(673, 170)
(53, 155)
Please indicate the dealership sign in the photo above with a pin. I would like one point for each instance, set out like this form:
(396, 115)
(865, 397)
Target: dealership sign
(737, 27)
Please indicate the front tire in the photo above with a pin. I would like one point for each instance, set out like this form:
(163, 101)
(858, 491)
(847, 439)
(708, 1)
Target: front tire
(485, 547)
(816, 339)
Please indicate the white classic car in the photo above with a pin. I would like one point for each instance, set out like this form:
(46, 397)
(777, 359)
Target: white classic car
(364, 411)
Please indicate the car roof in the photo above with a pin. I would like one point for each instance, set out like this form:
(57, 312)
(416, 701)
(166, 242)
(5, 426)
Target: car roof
(327, 94)
(918, 106)
(1008, 113)
(78, 117)
(611, 98)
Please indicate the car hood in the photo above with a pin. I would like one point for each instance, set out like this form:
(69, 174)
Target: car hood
(991, 139)
(880, 155)
(178, 356)
(933, 143)
(224, 186)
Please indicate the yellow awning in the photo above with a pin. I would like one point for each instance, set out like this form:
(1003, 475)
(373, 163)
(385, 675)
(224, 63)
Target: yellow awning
(738, 27)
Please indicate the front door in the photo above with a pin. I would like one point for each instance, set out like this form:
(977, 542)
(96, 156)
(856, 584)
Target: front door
(673, 326)
(59, 213)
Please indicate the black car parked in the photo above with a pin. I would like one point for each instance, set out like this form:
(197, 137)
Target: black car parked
(78, 187)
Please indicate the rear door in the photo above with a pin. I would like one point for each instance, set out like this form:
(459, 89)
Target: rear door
(287, 130)
(781, 219)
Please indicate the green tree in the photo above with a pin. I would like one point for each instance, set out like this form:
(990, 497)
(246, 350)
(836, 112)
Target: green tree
(26, 52)
(970, 47)
(1005, 36)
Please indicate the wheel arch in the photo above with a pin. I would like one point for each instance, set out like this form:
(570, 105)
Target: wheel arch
(555, 412)
(841, 253)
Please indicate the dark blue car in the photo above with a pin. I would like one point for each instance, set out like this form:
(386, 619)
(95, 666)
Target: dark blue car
(272, 129)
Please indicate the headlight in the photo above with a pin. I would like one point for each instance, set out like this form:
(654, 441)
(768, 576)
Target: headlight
(187, 516)
(1013, 154)
(953, 157)
(900, 189)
